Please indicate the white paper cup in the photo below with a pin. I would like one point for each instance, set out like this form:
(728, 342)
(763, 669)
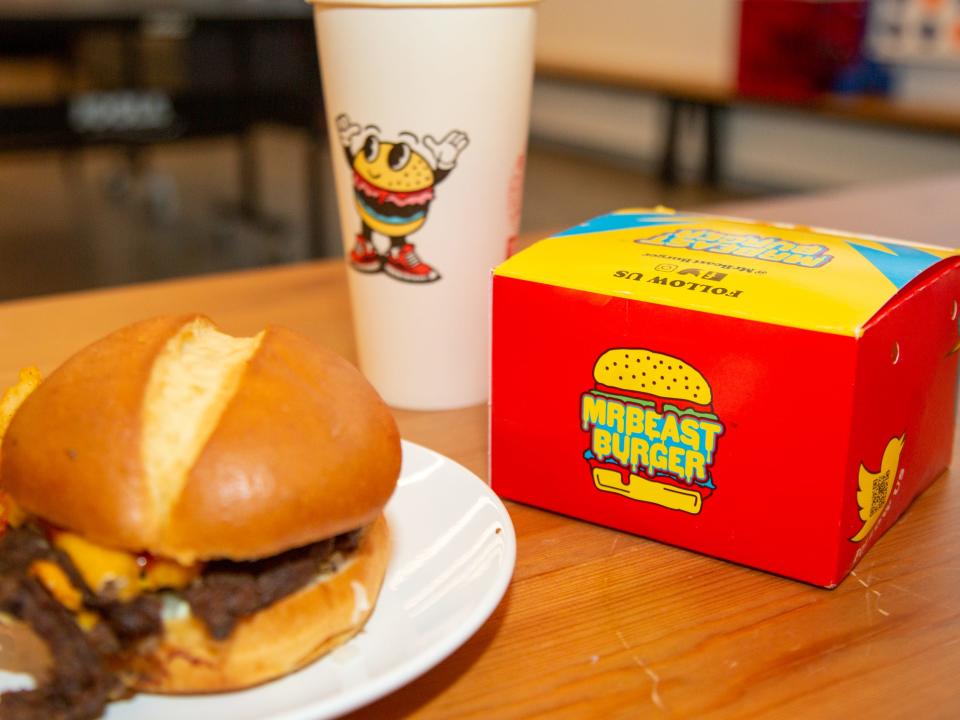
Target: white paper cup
(428, 109)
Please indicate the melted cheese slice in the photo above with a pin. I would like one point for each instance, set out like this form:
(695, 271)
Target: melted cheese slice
(55, 580)
(119, 573)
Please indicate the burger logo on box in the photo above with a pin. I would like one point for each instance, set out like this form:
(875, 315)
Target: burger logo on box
(653, 432)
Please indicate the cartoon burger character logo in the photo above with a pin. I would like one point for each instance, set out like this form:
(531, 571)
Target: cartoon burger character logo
(393, 183)
(653, 432)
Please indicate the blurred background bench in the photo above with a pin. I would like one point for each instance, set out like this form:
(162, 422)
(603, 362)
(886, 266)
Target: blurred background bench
(139, 74)
(142, 139)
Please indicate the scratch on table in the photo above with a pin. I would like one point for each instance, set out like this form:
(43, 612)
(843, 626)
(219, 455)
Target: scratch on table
(885, 613)
(873, 596)
(613, 546)
(649, 671)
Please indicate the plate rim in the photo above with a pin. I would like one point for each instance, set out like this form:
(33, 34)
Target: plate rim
(420, 664)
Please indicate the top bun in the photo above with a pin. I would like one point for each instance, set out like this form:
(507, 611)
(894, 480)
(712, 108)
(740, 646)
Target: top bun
(171, 437)
(640, 370)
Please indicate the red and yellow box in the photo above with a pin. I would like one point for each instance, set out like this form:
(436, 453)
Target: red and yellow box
(768, 394)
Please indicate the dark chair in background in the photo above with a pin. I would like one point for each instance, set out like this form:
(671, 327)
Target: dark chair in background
(136, 80)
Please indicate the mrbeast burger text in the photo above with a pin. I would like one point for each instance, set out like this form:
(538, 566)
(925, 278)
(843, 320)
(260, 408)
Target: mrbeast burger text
(653, 433)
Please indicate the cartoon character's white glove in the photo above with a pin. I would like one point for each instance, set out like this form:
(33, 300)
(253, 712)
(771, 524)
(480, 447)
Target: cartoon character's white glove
(447, 150)
(347, 130)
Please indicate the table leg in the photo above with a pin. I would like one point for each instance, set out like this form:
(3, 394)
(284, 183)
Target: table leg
(248, 175)
(668, 161)
(316, 137)
(713, 118)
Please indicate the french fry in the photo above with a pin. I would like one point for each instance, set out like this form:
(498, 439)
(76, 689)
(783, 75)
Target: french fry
(14, 396)
(10, 401)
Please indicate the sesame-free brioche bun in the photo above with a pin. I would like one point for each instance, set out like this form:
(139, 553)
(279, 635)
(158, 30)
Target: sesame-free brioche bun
(171, 437)
(275, 641)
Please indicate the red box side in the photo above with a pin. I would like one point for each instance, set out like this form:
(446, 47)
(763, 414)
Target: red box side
(906, 386)
(783, 396)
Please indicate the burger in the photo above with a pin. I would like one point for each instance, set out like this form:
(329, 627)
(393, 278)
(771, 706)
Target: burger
(654, 432)
(188, 512)
(389, 201)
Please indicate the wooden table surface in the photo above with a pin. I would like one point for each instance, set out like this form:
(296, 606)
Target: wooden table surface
(598, 623)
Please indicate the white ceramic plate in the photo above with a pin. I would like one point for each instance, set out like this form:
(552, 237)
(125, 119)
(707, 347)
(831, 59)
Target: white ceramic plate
(453, 550)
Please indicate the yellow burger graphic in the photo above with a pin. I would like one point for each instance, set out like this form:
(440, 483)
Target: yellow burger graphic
(393, 184)
(653, 432)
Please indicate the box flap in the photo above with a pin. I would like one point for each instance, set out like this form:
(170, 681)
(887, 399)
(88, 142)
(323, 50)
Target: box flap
(789, 275)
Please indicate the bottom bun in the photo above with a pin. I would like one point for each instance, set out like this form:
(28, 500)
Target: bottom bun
(275, 641)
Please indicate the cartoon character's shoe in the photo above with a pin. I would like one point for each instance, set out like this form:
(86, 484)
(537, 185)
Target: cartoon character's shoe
(364, 256)
(403, 264)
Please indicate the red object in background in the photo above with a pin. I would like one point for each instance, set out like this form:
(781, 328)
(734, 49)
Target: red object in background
(794, 49)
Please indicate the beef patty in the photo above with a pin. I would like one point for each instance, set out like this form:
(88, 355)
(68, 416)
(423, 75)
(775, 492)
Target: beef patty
(228, 591)
(82, 680)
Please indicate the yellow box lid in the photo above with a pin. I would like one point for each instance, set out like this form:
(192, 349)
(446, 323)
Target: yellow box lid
(789, 275)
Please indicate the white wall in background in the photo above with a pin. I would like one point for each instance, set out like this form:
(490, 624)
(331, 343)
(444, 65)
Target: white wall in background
(797, 150)
(684, 40)
(596, 118)
(696, 41)
(766, 148)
